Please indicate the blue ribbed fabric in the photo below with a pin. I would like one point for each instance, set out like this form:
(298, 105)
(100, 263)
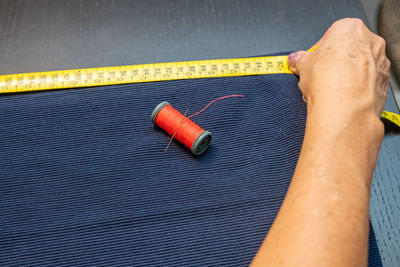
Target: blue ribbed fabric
(84, 178)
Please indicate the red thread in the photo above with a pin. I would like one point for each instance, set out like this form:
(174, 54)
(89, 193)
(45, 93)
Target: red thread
(215, 100)
(182, 128)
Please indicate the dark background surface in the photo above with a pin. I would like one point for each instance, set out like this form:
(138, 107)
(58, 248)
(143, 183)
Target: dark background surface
(51, 35)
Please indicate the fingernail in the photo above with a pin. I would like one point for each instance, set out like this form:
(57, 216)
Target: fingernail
(292, 59)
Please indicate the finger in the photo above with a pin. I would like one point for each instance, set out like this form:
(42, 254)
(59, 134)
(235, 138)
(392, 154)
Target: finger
(295, 56)
(293, 60)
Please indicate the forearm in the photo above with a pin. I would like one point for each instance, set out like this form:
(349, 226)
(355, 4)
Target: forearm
(324, 217)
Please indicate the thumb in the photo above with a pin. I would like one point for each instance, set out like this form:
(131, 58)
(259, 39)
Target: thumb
(293, 61)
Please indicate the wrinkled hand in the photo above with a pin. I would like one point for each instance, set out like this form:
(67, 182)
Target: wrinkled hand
(348, 71)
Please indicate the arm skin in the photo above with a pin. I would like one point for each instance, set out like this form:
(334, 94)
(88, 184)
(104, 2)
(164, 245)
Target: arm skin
(323, 220)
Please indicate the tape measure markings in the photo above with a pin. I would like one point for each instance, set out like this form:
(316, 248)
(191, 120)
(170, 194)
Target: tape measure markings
(24, 82)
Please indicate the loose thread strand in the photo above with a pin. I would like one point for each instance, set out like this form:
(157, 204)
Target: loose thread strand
(209, 104)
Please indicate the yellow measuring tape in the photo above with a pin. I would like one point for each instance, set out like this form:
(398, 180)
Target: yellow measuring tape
(393, 117)
(35, 81)
(51, 80)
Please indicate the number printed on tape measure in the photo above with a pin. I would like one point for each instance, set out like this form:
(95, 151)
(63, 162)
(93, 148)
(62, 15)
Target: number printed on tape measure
(24, 82)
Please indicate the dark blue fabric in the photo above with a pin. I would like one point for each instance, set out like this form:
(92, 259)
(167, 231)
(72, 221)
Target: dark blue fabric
(85, 180)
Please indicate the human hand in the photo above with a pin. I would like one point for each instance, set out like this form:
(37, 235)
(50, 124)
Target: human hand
(344, 82)
(348, 72)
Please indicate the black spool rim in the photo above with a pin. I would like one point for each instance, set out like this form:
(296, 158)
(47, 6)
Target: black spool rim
(201, 143)
(157, 109)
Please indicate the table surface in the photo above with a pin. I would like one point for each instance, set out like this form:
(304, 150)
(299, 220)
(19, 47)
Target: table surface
(47, 35)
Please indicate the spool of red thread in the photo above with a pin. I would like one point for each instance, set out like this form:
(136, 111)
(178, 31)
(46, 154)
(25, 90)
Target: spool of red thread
(182, 128)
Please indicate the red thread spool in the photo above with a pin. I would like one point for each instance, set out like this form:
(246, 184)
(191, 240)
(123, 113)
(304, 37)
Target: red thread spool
(182, 128)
